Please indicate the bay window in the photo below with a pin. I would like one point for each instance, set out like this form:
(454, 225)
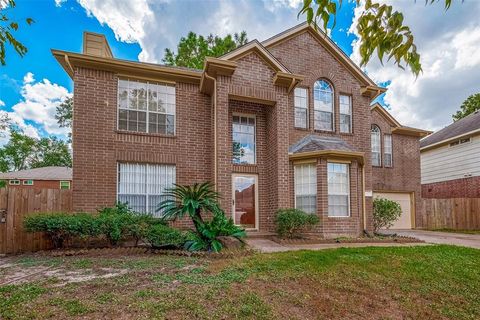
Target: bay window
(142, 185)
(305, 177)
(338, 190)
(301, 108)
(146, 107)
(323, 106)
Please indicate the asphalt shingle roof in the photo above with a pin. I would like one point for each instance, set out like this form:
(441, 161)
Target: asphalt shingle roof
(316, 143)
(458, 128)
(46, 173)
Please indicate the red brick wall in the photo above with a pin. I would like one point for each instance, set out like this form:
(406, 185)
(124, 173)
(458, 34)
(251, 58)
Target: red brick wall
(304, 55)
(458, 188)
(97, 146)
(46, 184)
(404, 175)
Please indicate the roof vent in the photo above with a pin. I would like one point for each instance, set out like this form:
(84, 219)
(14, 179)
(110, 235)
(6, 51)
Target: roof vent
(95, 44)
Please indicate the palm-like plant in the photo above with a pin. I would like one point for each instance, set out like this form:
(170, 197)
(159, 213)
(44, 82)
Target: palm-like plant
(189, 200)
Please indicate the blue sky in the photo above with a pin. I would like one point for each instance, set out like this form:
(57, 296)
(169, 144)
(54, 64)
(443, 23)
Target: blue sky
(32, 86)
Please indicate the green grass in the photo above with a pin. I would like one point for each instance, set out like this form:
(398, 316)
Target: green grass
(457, 231)
(424, 282)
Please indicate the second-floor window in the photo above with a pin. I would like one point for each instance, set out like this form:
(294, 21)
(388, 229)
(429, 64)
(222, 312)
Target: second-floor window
(323, 105)
(243, 139)
(301, 108)
(376, 147)
(387, 150)
(345, 114)
(146, 107)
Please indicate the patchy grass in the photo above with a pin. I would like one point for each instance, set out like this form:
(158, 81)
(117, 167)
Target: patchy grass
(457, 231)
(426, 282)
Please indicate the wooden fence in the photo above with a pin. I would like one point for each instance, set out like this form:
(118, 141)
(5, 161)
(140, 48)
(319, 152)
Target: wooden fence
(16, 204)
(455, 213)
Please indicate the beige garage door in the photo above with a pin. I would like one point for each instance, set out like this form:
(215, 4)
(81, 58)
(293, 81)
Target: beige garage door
(404, 199)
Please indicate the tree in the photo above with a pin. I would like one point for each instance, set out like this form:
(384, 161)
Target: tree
(4, 122)
(23, 152)
(385, 213)
(8, 28)
(192, 50)
(469, 106)
(380, 28)
(64, 115)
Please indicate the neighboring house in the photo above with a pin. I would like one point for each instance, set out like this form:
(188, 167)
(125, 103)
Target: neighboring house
(281, 123)
(46, 177)
(450, 160)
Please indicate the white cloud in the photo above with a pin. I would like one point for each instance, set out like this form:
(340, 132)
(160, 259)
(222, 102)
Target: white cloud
(58, 3)
(37, 107)
(156, 25)
(2, 104)
(448, 44)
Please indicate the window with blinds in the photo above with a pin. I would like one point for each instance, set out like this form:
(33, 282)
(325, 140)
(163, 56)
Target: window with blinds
(301, 109)
(376, 146)
(142, 185)
(387, 150)
(338, 190)
(345, 114)
(306, 187)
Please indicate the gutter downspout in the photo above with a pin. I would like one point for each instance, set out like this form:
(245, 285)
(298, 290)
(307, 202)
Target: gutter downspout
(364, 207)
(214, 101)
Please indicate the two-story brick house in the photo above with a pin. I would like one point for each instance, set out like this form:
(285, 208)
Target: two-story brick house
(281, 123)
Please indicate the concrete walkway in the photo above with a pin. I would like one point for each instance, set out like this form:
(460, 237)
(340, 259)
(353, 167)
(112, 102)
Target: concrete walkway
(268, 246)
(458, 239)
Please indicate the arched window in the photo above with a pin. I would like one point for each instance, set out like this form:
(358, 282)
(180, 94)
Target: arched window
(376, 146)
(323, 105)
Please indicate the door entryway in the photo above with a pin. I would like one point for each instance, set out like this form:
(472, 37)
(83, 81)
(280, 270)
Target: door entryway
(245, 200)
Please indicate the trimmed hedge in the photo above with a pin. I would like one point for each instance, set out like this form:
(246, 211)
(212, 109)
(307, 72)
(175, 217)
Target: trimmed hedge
(290, 222)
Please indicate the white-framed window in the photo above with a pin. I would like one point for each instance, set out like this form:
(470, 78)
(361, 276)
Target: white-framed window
(142, 185)
(301, 107)
(14, 182)
(376, 146)
(387, 150)
(461, 141)
(28, 182)
(243, 139)
(146, 107)
(345, 113)
(305, 176)
(323, 105)
(65, 185)
(338, 190)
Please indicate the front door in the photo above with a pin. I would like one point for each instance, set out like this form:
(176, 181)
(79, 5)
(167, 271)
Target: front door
(245, 200)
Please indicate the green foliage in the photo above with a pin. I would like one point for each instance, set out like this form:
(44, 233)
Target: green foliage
(192, 50)
(208, 233)
(7, 29)
(161, 236)
(380, 29)
(469, 106)
(385, 213)
(291, 221)
(23, 152)
(61, 227)
(64, 115)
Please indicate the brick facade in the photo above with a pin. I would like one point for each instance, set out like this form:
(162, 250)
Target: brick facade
(98, 146)
(458, 188)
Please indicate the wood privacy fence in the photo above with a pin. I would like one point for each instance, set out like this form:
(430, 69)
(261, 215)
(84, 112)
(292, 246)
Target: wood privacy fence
(16, 204)
(455, 213)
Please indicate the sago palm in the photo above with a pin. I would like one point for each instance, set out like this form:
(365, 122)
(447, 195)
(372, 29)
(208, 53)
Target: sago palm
(189, 200)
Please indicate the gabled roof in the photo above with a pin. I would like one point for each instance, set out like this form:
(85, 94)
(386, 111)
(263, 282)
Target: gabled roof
(328, 44)
(256, 46)
(463, 127)
(45, 173)
(397, 127)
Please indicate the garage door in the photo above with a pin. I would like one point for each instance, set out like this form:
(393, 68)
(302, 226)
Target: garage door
(404, 199)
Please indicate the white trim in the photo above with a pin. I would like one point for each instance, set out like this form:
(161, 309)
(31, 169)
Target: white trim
(27, 184)
(11, 182)
(255, 176)
(448, 139)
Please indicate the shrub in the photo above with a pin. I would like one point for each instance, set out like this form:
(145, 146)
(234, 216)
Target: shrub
(291, 221)
(208, 232)
(61, 227)
(385, 213)
(162, 236)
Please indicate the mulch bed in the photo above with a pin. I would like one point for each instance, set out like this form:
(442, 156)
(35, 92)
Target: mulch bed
(314, 240)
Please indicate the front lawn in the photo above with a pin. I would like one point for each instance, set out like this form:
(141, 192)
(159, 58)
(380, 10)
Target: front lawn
(425, 282)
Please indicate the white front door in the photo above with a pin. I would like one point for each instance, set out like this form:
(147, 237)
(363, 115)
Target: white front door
(245, 200)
